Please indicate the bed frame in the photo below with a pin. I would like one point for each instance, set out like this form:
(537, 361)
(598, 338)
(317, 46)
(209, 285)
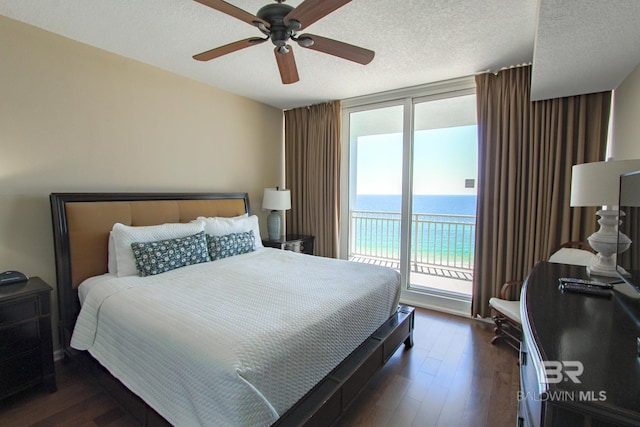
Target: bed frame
(81, 226)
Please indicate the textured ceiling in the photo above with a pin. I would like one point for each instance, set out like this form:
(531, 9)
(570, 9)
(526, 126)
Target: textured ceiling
(584, 46)
(416, 41)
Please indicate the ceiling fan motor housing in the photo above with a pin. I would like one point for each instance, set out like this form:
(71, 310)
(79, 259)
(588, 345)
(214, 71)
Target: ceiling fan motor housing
(274, 14)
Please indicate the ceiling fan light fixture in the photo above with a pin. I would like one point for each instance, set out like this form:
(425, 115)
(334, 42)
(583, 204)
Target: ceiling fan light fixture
(294, 25)
(263, 28)
(305, 41)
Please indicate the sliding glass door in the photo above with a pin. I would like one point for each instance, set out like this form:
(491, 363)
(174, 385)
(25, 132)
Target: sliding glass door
(443, 175)
(412, 166)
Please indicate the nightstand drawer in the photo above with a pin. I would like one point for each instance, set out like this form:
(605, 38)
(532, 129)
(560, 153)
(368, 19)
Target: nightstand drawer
(18, 311)
(20, 371)
(26, 347)
(19, 339)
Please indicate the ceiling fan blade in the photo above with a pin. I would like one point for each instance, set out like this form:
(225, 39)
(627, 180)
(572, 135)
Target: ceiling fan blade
(234, 11)
(340, 49)
(309, 11)
(228, 48)
(287, 66)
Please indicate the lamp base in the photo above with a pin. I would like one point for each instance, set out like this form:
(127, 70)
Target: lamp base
(602, 269)
(274, 225)
(597, 270)
(608, 242)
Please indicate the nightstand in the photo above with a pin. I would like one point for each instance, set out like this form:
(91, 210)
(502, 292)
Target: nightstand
(292, 242)
(26, 347)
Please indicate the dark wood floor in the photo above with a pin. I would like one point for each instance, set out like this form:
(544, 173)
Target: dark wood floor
(452, 376)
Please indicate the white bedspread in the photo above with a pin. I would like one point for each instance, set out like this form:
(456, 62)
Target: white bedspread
(236, 341)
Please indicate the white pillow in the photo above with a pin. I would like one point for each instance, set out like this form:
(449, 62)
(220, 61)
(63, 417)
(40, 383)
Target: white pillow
(113, 264)
(219, 226)
(124, 236)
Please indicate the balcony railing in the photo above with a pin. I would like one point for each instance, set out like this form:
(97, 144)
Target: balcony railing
(436, 239)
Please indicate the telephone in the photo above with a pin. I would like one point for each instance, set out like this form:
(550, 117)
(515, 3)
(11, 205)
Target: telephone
(10, 277)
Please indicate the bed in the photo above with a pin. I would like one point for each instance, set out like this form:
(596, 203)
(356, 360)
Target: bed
(243, 361)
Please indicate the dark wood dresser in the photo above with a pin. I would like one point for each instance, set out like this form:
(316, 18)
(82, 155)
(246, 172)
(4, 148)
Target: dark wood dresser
(579, 363)
(26, 349)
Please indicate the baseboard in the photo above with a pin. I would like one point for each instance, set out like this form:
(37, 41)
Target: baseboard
(435, 307)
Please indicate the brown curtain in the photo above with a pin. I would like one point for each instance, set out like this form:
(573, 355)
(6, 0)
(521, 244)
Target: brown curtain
(525, 154)
(312, 163)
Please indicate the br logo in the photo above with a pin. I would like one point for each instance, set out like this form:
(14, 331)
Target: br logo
(557, 372)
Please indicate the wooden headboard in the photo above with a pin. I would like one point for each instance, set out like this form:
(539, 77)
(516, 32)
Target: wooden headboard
(82, 222)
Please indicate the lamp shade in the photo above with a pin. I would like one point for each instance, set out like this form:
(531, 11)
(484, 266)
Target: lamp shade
(276, 200)
(598, 183)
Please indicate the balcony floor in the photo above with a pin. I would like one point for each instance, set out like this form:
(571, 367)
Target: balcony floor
(428, 276)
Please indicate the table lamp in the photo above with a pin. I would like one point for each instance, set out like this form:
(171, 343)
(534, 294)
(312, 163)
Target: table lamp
(275, 200)
(598, 184)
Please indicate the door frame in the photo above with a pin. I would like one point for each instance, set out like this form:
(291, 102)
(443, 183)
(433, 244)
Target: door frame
(408, 98)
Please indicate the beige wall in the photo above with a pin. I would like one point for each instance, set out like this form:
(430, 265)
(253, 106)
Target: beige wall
(76, 118)
(625, 143)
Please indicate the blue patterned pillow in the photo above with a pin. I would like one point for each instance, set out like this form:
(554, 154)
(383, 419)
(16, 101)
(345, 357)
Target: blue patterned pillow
(164, 255)
(231, 244)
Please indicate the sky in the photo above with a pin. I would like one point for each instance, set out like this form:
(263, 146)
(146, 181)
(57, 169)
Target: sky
(443, 159)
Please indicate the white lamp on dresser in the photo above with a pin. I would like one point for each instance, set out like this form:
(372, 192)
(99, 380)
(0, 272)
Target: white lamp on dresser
(598, 184)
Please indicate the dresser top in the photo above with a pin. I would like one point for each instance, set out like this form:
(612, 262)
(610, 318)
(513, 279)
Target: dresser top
(600, 333)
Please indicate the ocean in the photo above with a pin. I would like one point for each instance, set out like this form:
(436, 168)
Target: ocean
(439, 235)
(426, 204)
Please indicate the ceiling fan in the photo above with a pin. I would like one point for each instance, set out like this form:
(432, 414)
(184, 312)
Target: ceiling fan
(280, 23)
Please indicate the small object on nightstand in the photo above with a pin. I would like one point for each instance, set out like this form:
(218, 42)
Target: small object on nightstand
(26, 347)
(292, 242)
(9, 277)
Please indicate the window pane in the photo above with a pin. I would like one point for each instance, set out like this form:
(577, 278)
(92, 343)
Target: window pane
(376, 184)
(445, 159)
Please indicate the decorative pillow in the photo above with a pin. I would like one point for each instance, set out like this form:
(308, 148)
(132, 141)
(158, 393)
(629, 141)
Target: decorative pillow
(219, 226)
(124, 236)
(230, 244)
(165, 255)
